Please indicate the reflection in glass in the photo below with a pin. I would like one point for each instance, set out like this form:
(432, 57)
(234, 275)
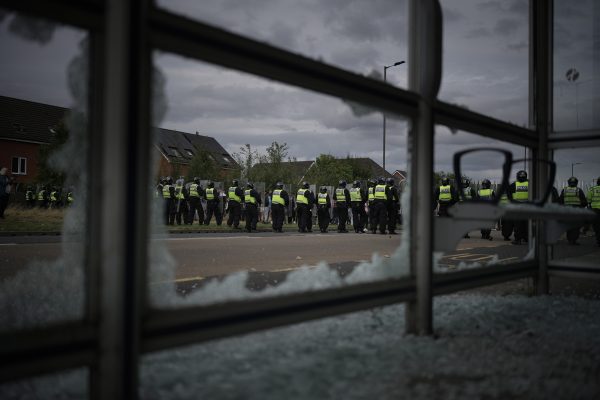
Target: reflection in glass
(242, 129)
(63, 385)
(43, 92)
(486, 47)
(360, 36)
(576, 65)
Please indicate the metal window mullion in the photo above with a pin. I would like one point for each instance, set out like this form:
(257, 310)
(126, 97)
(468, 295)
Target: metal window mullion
(123, 206)
(194, 39)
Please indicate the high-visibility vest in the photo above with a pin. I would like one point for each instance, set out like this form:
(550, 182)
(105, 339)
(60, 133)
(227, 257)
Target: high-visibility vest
(276, 198)
(166, 192)
(371, 192)
(41, 195)
(232, 196)
(70, 197)
(521, 191)
(340, 195)
(571, 197)
(380, 192)
(593, 197)
(504, 198)
(53, 196)
(323, 198)
(194, 190)
(467, 193)
(29, 195)
(179, 192)
(300, 198)
(210, 193)
(485, 194)
(355, 194)
(248, 199)
(445, 194)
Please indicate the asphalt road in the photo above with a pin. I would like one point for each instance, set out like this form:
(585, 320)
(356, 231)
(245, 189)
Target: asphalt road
(269, 256)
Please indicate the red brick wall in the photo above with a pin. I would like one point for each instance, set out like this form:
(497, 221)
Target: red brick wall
(30, 151)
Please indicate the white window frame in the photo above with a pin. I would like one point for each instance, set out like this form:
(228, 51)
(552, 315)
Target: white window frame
(19, 161)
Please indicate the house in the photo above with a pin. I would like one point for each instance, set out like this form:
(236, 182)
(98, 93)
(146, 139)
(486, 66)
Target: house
(24, 126)
(176, 150)
(400, 176)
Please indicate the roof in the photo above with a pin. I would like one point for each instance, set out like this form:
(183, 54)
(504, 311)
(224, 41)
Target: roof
(368, 163)
(180, 147)
(297, 168)
(28, 121)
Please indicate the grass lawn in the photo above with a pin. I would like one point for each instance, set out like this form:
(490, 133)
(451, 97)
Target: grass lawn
(50, 220)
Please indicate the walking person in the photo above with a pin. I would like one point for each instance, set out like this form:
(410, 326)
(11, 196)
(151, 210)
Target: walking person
(371, 198)
(323, 207)
(253, 202)
(169, 201)
(341, 196)
(382, 196)
(519, 191)
(280, 202)
(468, 193)
(486, 194)
(444, 197)
(393, 205)
(181, 204)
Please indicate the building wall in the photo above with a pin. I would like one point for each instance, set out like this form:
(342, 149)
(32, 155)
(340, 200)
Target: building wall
(30, 151)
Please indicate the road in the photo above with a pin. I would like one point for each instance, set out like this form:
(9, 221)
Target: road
(269, 256)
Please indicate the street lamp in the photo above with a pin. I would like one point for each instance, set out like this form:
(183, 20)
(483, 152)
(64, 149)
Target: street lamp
(385, 68)
(573, 164)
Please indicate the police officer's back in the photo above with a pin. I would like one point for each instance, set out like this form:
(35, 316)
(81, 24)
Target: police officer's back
(572, 196)
(280, 200)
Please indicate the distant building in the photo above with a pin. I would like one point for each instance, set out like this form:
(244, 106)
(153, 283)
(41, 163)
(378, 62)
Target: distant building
(400, 176)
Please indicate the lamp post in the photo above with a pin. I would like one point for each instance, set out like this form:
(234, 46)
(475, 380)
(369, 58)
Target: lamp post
(385, 68)
(572, 165)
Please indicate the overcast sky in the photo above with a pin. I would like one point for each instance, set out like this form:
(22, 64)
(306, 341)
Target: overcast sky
(485, 69)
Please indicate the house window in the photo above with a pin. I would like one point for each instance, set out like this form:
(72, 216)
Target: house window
(189, 152)
(175, 152)
(226, 159)
(19, 166)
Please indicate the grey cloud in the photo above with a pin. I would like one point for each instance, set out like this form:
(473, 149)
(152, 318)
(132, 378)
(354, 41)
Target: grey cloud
(451, 15)
(506, 26)
(477, 33)
(518, 46)
(283, 35)
(35, 29)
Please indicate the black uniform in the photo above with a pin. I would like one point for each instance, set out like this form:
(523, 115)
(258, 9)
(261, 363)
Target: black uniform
(303, 207)
(234, 207)
(169, 203)
(323, 207)
(393, 205)
(359, 216)
(520, 227)
(195, 201)
(280, 200)
(212, 206)
(252, 201)
(382, 196)
(181, 204)
(444, 204)
(573, 234)
(341, 195)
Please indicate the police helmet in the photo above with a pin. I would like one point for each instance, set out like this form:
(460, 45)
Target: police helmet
(372, 182)
(162, 180)
(323, 189)
(210, 184)
(390, 181)
(381, 180)
(356, 184)
(196, 180)
(305, 185)
(235, 182)
(466, 182)
(342, 183)
(250, 185)
(521, 176)
(486, 184)
(169, 180)
(279, 185)
(573, 181)
(445, 181)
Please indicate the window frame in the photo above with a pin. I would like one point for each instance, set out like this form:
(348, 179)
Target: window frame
(119, 326)
(20, 160)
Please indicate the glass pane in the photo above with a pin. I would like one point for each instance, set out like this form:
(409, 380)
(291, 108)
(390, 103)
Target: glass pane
(359, 36)
(248, 129)
(576, 65)
(43, 114)
(485, 59)
(63, 385)
(579, 244)
(495, 241)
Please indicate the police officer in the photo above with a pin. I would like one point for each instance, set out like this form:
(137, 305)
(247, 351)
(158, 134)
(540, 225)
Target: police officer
(382, 197)
(70, 197)
(252, 201)
(168, 193)
(506, 225)
(54, 197)
(279, 202)
(357, 203)
(486, 194)
(159, 187)
(323, 207)
(30, 197)
(212, 204)
(572, 196)
(42, 197)
(371, 197)
(304, 202)
(195, 202)
(444, 197)
(519, 191)
(235, 195)
(181, 205)
(393, 205)
(468, 192)
(593, 198)
(342, 202)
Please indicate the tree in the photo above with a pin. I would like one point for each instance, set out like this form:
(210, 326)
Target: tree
(327, 170)
(271, 167)
(46, 173)
(202, 166)
(246, 159)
